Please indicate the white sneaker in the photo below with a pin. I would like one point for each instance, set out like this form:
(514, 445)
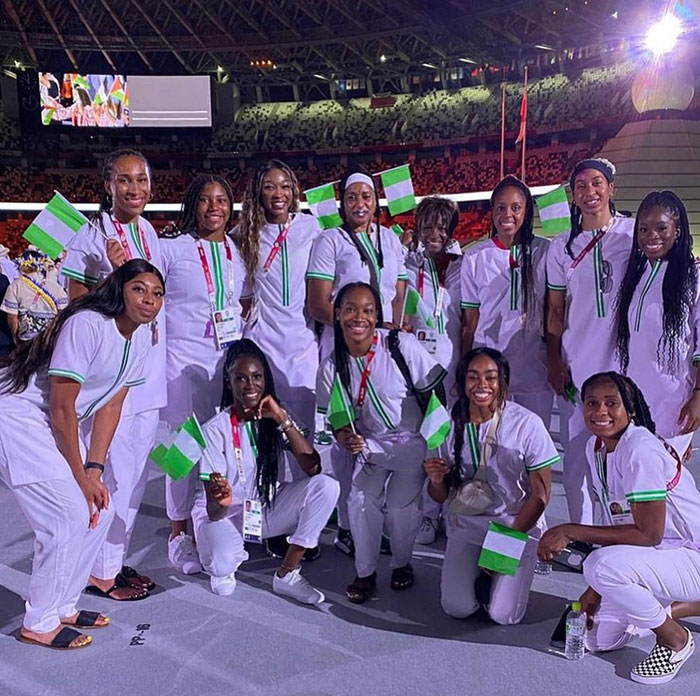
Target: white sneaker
(183, 555)
(662, 663)
(223, 586)
(428, 530)
(295, 586)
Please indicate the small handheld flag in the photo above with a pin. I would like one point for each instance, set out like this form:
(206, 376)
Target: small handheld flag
(321, 200)
(55, 226)
(555, 215)
(340, 410)
(398, 189)
(436, 423)
(502, 549)
(185, 449)
(415, 307)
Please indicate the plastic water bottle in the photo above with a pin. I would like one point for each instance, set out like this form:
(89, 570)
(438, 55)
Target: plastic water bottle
(543, 567)
(575, 633)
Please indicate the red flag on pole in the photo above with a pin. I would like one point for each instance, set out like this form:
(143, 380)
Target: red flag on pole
(523, 113)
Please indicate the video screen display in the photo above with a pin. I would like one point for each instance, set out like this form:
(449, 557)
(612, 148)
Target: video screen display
(84, 100)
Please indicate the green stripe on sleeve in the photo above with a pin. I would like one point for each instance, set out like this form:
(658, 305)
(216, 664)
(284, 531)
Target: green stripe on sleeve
(645, 496)
(470, 305)
(319, 276)
(58, 372)
(552, 286)
(543, 465)
(80, 277)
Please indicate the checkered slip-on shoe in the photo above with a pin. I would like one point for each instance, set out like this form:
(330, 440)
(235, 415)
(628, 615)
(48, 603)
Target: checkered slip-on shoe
(662, 663)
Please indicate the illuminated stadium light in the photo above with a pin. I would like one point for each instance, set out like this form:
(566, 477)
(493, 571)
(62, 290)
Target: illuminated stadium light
(382, 58)
(545, 47)
(468, 60)
(430, 65)
(319, 76)
(662, 36)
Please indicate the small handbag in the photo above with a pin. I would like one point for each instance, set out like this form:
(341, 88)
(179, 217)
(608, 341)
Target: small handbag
(475, 497)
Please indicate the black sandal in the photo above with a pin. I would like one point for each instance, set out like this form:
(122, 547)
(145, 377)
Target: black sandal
(88, 619)
(402, 578)
(129, 573)
(360, 589)
(119, 582)
(61, 641)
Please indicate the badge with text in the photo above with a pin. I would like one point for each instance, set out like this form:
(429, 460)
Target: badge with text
(226, 330)
(428, 339)
(620, 512)
(252, 521)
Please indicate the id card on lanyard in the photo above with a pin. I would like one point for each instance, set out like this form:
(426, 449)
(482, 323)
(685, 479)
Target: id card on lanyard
(224, 319)
(584, 252)
(428, 337)
(364, 380)
(252, 508)
(277, 245)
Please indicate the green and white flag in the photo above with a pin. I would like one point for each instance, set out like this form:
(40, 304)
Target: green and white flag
(82, 82)
(184, 449)
(55, 226)
(397, 229)
(555, 214)
(436, 423)
(321, 200)
(47, 116)
(502, 549)
(413, 306)
(100, 95)
(340, 410)
(398, 189)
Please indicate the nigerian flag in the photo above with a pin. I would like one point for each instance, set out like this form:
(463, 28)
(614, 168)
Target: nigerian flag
(397, 229)
(502, 549)
(413, 306)
(184, 449)
(321, 200)
(55, 226)
(340, 410)
(436, 423)
(398, 189)
(555, 214)
(82, 82)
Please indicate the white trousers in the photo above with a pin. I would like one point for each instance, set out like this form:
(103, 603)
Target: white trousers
(377, 495)
(637, 585)
(342, 466)
(576, 473)
(509, 594)
(126, 475)
(300, 509)
(64, 548)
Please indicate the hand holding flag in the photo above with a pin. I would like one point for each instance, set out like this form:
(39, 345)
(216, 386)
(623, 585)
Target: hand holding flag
(184, 449)
(436, 423)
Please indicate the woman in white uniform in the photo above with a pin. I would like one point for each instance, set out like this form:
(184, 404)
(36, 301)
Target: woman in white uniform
(275, 243)
(503, 290)
(117, 234)
(244, 498)
(433, 271)
(382, 448)
(647, 573)
(360, 250)
(658, 317)
(81, 366)
(584, 271)
(206, 285)
(515, 453)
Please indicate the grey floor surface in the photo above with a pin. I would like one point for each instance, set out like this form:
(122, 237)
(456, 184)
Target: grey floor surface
(190, 641)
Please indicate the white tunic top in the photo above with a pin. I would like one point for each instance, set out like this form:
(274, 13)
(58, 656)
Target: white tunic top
(335, 258)
(89, 350)
(281, 328)
(492, 283)
(665, 389)
(588, 341)
(87, 262)
(522, 445)
(447, 318)
(194, 365)
(641, 470)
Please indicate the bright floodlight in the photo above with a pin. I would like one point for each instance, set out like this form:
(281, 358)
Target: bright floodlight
(662, 36)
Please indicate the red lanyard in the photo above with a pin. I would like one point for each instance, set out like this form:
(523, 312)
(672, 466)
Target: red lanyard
(277, 245)
(421, 278)
(237, 449)
(512, 260)
(207, 272)
(596, 238)
(125, 244)
(365, 373)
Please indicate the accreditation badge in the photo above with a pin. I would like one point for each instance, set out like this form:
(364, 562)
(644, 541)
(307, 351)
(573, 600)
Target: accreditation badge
(252, 521)
(620, 512)
(428, 339)
(226, 331)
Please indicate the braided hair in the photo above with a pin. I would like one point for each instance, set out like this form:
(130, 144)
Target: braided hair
(106, 203)
(340, 347)
(253, 215)
(269, 440)
(632, 398)
(526, 237)
(352, 235)
(460, 411)
(187, 222)
(678, 288)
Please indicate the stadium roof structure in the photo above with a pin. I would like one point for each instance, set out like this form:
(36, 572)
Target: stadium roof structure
(287, 42)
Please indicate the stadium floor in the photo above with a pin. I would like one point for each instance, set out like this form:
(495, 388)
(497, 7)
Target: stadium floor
(186, 640)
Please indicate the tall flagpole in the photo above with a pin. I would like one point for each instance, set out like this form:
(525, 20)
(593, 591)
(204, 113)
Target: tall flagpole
(503, 129)
(524, 127)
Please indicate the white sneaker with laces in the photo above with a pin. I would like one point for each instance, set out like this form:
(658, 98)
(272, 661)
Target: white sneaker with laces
(223, 586)
(428, 530)
(295, 586)
(662, 663)
(183, 555)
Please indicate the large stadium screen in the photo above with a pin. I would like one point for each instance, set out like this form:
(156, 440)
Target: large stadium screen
(182, 101)
(84, 100)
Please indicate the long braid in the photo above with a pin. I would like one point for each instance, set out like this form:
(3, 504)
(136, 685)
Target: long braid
(633, 274)
(253, 215)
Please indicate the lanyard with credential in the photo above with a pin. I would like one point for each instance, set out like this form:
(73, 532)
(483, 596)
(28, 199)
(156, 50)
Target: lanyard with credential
(438, 287)
(237, 448)
(364, 380)
(211, 291)
(277, 245)
(596, 238)
(125, 244)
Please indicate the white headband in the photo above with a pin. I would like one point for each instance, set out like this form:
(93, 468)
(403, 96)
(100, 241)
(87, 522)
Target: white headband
(359, 178)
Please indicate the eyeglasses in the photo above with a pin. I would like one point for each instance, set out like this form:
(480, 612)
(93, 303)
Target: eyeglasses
(606, 281)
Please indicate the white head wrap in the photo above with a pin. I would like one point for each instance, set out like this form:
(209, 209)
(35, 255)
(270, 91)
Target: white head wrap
(359, 178)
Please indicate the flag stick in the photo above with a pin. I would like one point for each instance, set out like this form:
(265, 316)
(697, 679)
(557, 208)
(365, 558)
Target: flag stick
(403, 307)
(503, 129)
(522, 166)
